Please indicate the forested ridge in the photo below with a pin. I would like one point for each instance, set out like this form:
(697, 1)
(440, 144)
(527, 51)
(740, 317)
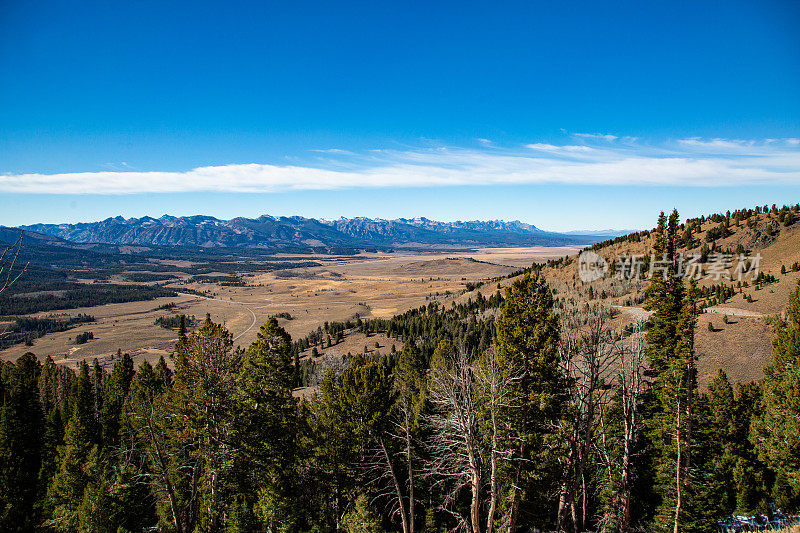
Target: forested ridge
(505, 413)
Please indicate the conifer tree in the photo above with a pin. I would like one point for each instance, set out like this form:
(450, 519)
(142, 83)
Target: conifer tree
(205, 382)
(163, 373)
(152, 441)
(671, 356)
(21, 426)
(116, 389)
(67, 487)
(366, 400)
(776, 433)
(409, 384)
(334, 451)
(52, 439)
(266, 426)
(526, 343)
(718, 444)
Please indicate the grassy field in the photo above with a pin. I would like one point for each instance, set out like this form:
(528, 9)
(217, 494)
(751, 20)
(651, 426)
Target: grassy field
(368, 285)
(385, 284)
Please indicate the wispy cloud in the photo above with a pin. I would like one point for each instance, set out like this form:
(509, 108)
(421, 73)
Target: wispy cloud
(597, 136)
(332, 151)
(597, 159)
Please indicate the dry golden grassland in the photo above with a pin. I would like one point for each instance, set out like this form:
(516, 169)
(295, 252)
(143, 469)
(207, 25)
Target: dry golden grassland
(384, 284)
(368, 285)
(743, 346)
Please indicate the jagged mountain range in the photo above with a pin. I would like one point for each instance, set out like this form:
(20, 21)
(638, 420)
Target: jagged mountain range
(299, 232)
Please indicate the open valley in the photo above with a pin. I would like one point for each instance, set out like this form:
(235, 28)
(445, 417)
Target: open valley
(369, 285)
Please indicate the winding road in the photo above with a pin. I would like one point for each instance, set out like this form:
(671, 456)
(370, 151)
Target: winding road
(642, 314)
(227, 302)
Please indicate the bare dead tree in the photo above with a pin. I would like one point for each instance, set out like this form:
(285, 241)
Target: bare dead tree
(467, 448)
(632, 381)
(405, 426)
(380, 462)
(456, 460)
(8, 274)
(589, 353)
(492, 384)
(630, 384)
(8, 260)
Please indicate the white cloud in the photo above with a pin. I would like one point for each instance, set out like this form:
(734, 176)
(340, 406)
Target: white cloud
(554, 148)
(332, 151)
(598, 136)
(597, 161)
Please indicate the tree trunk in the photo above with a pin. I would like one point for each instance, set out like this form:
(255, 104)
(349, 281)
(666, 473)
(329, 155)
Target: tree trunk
(475, 482)
(515, 498)
(336, 499)
(411, 520)
(625, 491)
(678, 469)
(493, 489)
(396, 482)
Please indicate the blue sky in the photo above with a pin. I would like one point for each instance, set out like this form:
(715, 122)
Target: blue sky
(567, 115)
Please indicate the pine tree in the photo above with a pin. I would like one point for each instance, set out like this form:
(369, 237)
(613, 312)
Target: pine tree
(723, 447)
(205, 383)
(21, 426)
(751, 475)
(152, 439)
(52, 439)
(116, 389)
(365, 400)
(409, 383)
(526, 342)
(362, 518)
(163, 373)
(266, 428)
(98, 387)
(334, 450)
(776, 433)
(81, 436)
(671, 357)
(664, 297)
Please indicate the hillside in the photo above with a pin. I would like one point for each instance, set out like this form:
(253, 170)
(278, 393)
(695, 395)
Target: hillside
(739, 344)
(308, 234)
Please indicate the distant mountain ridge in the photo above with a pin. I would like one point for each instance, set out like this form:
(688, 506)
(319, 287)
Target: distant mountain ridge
(308, 233)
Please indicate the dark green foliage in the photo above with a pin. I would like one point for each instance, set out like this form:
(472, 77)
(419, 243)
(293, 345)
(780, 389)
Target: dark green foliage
(776, 434)
(144, 277)
(527, 345)
(61, 294)
(26, 329)
(66, 490)
(266, 413)
(116, 389)
(170, 321)
(21, 422)
(83, 338)
(218, 439)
